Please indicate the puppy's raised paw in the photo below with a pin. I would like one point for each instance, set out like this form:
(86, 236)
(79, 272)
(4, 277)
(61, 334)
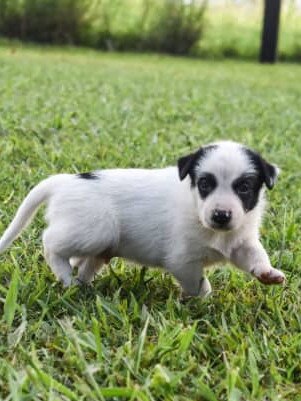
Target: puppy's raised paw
(273, 276)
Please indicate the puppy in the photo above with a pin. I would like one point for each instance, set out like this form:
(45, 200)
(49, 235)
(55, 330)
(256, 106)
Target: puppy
(206, 210)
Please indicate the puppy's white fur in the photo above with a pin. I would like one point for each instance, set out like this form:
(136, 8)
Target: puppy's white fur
(150, 217)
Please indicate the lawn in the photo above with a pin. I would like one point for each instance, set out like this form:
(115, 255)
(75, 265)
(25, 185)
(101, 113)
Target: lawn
(129, 337)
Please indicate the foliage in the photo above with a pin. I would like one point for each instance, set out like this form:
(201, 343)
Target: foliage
(166, 26)
(200, 28)
(47, 21)
(129, 337)
(177, 26)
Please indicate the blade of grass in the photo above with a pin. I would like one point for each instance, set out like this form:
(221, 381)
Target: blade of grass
(10, 304)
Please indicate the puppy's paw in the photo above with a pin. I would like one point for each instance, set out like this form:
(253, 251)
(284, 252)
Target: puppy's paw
(79, 282)
(203, 291)
(205, 288)
(272, 276)
(65, 281)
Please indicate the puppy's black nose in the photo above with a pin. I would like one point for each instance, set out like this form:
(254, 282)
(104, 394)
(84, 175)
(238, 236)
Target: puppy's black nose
(221, 217)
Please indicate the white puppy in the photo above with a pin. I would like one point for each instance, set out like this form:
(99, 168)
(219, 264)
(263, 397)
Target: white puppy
(206, 210)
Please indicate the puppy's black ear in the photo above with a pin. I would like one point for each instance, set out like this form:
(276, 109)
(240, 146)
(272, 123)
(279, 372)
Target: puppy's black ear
(186, 164)
(270, 173)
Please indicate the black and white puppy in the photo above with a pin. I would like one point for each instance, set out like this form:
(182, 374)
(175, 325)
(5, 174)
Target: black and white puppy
(206, 210)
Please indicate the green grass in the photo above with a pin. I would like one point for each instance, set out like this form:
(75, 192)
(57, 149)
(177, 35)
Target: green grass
(129, 337)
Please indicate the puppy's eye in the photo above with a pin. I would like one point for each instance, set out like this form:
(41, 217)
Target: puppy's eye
(204, 184)
(244, 187)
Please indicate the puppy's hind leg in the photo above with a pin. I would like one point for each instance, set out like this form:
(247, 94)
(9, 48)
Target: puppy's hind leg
(61, 267)
(59, 264)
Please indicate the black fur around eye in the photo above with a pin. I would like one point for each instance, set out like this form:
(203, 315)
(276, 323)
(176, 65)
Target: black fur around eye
(247, 188)
(206, 184)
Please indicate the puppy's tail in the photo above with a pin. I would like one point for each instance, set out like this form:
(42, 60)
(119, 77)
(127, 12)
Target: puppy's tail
(28, 208)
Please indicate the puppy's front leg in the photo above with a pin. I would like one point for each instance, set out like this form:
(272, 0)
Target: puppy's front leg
(192, 281)
(252, 258)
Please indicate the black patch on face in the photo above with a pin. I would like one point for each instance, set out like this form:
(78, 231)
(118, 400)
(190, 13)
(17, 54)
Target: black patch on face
(88, 176)
(187, 163)
(267, 172)
(206, 184)
(247, 188)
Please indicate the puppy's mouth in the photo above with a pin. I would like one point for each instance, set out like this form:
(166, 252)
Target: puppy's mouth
(221, 227)
(217, 227)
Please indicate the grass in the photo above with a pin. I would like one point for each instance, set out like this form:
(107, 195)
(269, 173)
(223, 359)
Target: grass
(129, 337)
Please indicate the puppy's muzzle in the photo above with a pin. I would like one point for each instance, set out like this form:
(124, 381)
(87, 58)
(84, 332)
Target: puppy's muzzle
(221, 218)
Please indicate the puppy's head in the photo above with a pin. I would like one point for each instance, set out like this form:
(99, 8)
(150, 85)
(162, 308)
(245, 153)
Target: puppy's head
(228, 180)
